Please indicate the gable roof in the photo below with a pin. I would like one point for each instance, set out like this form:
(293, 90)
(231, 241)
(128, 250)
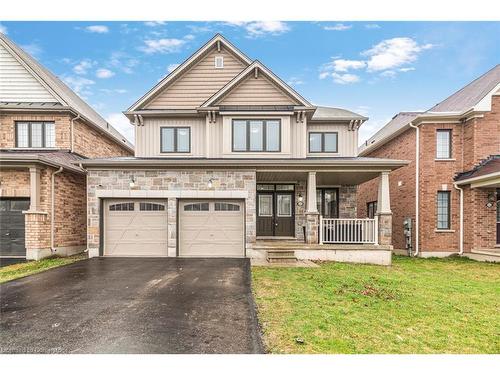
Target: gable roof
(389, 131)
(472, 94)
(337, 114)
(249, 70)
(218, 38)
(476, 96)
(64, 95)
(487, 167)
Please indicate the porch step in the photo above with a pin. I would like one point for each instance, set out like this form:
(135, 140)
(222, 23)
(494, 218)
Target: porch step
(281, 256)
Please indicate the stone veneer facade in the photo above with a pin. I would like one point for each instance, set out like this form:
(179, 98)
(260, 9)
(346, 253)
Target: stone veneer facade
(173, 185)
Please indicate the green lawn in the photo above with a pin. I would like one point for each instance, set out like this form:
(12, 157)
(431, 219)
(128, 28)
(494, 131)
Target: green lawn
(415, 306)
(16, 271)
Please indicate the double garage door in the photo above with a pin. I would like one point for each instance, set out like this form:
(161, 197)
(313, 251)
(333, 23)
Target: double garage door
(206, 228)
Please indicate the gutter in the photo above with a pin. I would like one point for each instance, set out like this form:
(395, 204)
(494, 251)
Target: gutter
(417, 184)
(73, 132)
(461, 218)
(53, 209)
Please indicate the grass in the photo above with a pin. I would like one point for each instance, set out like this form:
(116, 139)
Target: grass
(15, 271)
(415, 306)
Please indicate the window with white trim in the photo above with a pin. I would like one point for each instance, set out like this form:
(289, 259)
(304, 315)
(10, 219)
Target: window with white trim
(35, 134)
(443, 144)
(129, 206)
(443, 210)
(219, 62)
(196, 207)
(175, 139)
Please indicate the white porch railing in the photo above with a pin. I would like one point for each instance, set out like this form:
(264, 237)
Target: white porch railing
(348, 231)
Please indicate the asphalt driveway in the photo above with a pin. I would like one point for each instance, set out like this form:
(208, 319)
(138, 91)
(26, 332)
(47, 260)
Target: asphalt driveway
(132, 305)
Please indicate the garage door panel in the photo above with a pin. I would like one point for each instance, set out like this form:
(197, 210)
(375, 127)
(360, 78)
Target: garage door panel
(12, 226)
(213, 232)
(130, 230)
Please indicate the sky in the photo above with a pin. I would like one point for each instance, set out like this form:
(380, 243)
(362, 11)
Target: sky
(376, 69)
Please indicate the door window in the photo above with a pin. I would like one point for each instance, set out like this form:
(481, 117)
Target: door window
(265, 205)
(284, 205)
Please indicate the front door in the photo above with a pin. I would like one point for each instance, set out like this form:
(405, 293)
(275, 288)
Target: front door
(275, 210)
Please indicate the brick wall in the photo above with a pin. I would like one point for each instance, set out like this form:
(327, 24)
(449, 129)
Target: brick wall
(401, 185)
(87, 141)
(472, 142)
(14, 183)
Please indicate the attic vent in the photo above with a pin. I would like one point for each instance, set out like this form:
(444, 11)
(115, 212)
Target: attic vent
(219, 62)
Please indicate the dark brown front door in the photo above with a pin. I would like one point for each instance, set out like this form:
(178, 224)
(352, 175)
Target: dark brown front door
(275, 213)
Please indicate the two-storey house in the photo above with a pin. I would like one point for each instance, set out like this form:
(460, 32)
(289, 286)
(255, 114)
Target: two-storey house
(228, 158)
(45, 130)
(449, 193)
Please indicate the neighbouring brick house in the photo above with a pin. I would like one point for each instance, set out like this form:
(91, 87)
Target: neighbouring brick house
(230, 161)
(45, 130)
(459, 150)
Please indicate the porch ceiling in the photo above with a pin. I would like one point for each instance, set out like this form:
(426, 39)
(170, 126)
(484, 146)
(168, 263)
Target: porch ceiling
(323, 178)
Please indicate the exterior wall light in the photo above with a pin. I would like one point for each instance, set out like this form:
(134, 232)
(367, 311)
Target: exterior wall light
(210, 183)
(300, 200)
(132, 182)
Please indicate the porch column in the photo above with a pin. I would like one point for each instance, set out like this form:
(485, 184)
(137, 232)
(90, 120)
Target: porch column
(34, 189)
(312, 214)
(384, 212)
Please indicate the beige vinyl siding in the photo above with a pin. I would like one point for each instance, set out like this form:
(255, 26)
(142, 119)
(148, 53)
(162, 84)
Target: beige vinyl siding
(18, 84)
(148, 136)
(199, 83)
(298, 138)
(256, 91)
(215, 138)
(347, 139)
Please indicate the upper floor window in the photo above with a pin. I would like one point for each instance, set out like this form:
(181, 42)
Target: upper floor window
(443, 210)
(256, 135)
(443, 144)
(35, 134)
(323, 142)
(175, 139)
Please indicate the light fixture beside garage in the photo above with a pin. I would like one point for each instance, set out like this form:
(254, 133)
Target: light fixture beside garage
(210, 183)
(132, 182)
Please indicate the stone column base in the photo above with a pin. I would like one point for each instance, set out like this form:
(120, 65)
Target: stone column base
(385, 229)
(312, 227)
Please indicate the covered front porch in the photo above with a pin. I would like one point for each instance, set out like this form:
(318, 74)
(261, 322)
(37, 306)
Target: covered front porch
(311, 213)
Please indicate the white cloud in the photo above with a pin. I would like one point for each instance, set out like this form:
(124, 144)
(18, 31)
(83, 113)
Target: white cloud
(79, 84)
(104, 73)
(295, 81)
(387, 59)
(345, 79)
(404, 70)
(342, 65)
(162, 45)
(33, 49)
(122, 124)
(172, 67)
(337, 27)
(99, 29)
(3, 29)
(372, 26)
(261, 28)
(122, 61)
(392, 53)
(83, 66)
(189, 37)
(114, 91)
(155, 23)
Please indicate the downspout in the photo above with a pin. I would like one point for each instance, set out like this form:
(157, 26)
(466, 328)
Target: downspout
(72, 146)
(461, 218)
(417, 184)
(86, 211)
(53, 209)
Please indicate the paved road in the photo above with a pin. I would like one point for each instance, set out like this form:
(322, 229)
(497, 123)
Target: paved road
(132, 305)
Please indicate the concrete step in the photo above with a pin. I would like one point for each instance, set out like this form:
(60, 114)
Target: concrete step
(281, 256)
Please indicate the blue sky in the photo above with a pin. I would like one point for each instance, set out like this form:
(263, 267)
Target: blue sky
(374, 68)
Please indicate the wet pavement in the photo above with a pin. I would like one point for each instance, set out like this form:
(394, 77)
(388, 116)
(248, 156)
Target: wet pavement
(132, 305)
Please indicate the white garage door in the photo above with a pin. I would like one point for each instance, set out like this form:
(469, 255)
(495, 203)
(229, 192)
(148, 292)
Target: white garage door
(211, 229)
(135, 228)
